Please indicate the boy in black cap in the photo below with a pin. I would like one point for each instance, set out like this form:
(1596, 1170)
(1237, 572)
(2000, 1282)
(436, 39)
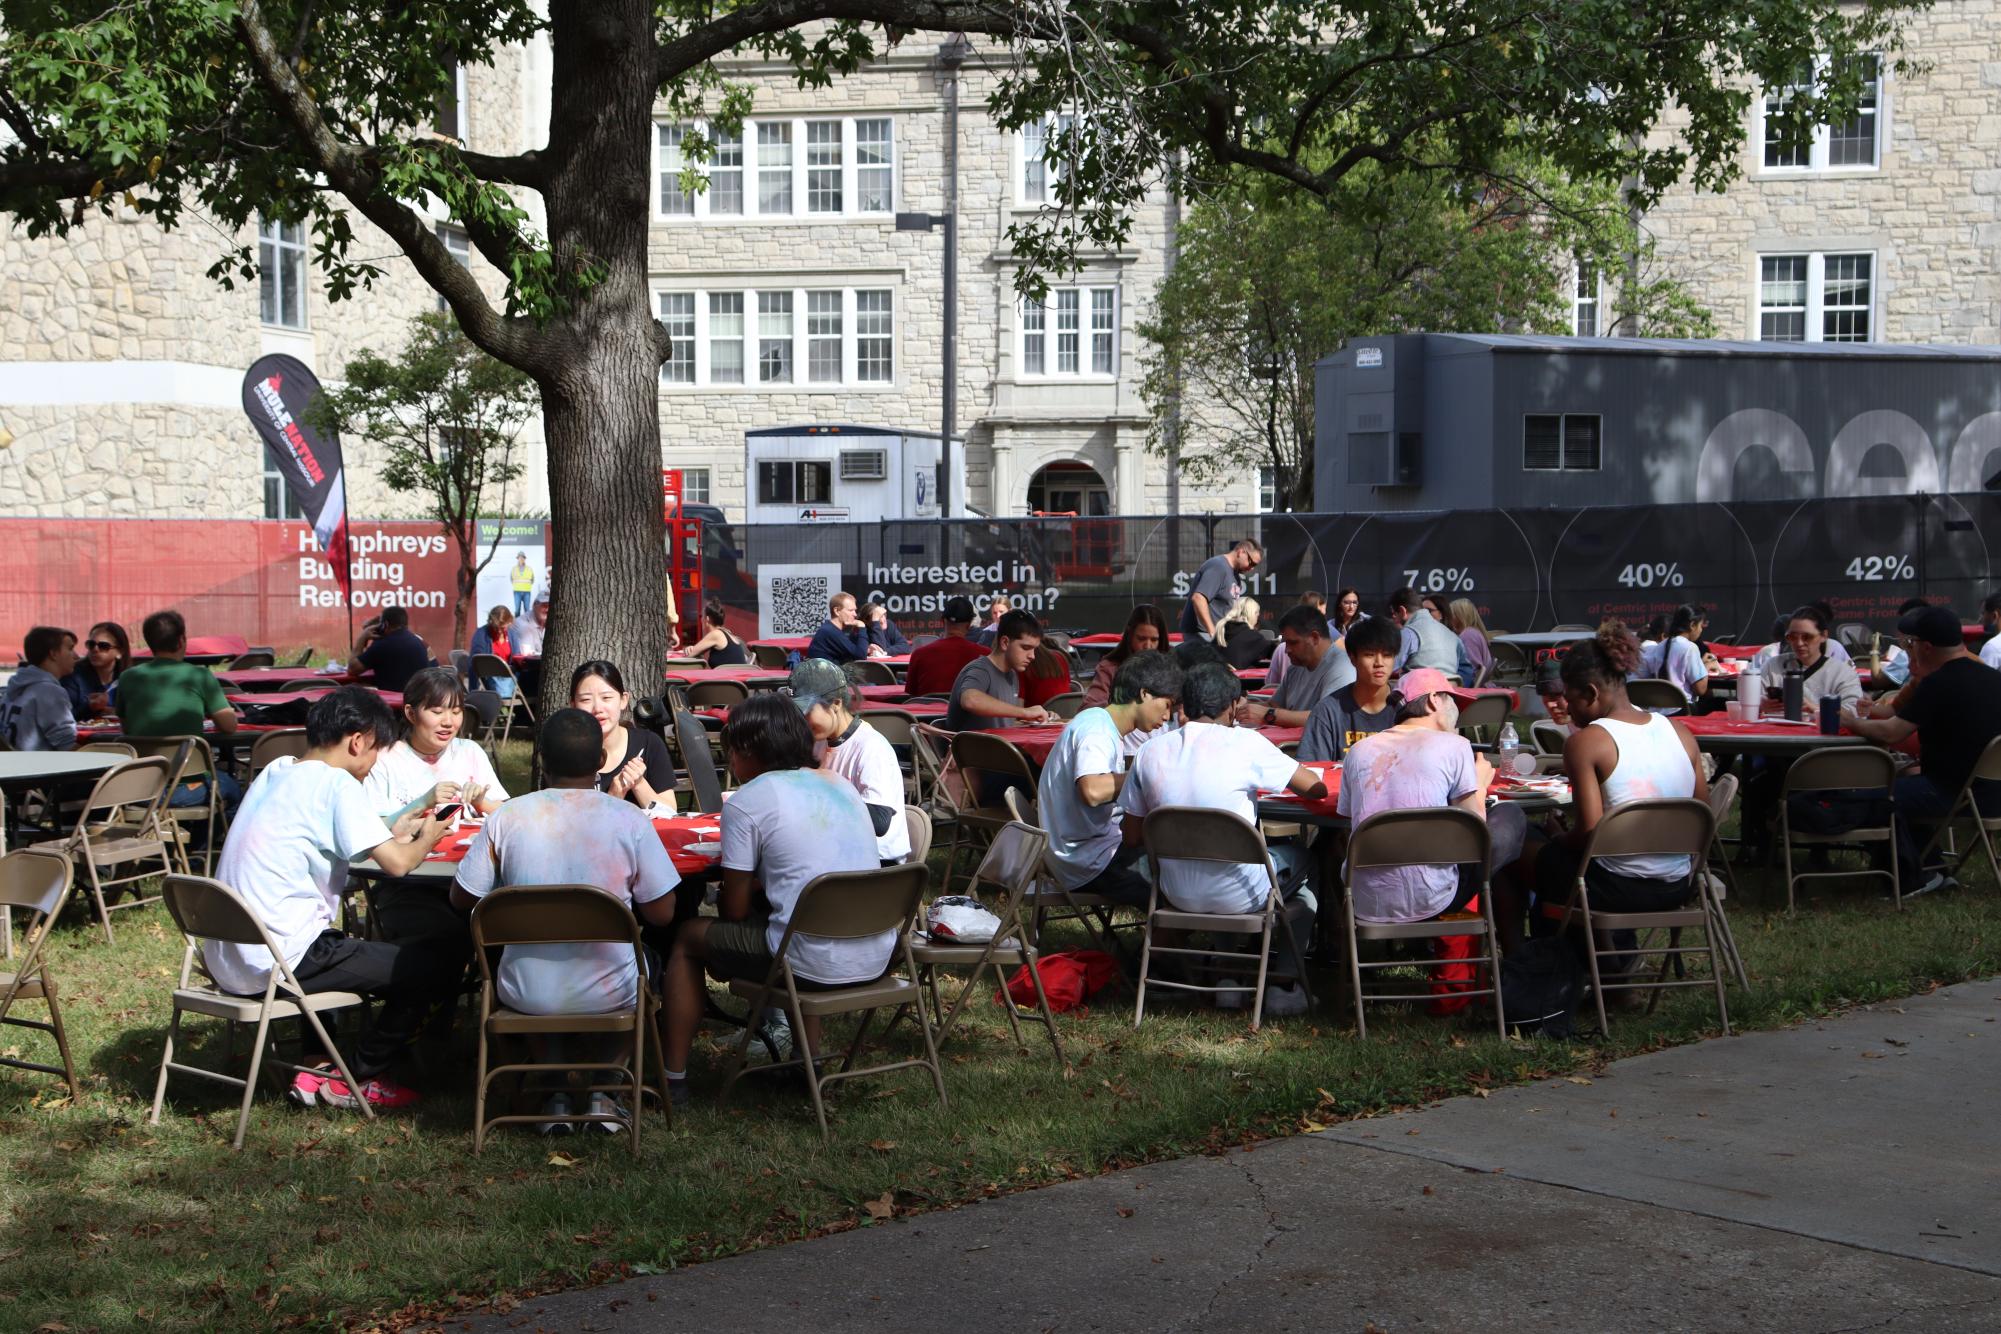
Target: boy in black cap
(936, 665)
(1955, 709)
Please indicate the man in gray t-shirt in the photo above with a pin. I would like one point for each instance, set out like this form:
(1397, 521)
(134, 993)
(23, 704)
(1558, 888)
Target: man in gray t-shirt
(987, 691)
(1216, 589)
(1318, 668)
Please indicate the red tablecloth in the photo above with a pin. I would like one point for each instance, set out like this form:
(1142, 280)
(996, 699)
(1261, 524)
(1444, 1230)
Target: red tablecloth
(1110, 639)
(920, 709)
(1728, 652)
(883, 694)
(207, 646)
(393, 698)
(1253, 675)
(750, 676)
(1722, 724)
(116, 732)
(282, 678)
(800, 643)
(1506, 787)
(676, 834)
(1037, 742)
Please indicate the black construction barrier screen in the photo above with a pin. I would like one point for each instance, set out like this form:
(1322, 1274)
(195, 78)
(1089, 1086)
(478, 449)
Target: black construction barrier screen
(1525, 569)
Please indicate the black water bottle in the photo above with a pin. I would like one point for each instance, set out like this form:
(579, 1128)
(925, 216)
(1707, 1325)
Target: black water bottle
(1830, 715)
(1795, 695)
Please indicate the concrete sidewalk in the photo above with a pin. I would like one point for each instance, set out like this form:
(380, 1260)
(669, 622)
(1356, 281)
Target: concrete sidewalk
(1836, 1177)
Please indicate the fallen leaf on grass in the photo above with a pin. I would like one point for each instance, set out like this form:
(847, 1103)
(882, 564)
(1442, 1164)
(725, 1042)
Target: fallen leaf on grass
(563, 1160)
(1578, 1079)
(882, 1208)
(882, 1145)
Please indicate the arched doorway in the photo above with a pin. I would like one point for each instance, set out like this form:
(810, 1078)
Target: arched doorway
(1069, 487)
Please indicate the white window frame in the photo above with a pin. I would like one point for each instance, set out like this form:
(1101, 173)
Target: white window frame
(1580, 268)
(1029, 194)
(456, 243)
(1816, 163)
(802, 340)
(283, 250)
(801, 210)
(696, 486)
(1051, 333)
(1816, 291)
(459, 125)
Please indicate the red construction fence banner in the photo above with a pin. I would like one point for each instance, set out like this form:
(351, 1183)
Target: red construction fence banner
(265, 580)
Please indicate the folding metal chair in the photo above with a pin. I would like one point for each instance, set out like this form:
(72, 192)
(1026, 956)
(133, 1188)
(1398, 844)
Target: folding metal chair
(1651, 692)
(1865, 769)
(899, 728)
(843, 905)
(1066, 706)
(1722, 797)
(977, 754)
(1393, 839)
(716, 694)
(35, 883)
(255, 658)
(698, 761)
(770, 656)
(194, 759)
(276, 745)
(209, 910)
(1484, 715)
(1548, 737)
(1964, 807)
(562, 915)
(483, 720)
(490, 667)
(1204, 836)
(121, 824)
(917, 825)
(870, 672)
(1654, 827)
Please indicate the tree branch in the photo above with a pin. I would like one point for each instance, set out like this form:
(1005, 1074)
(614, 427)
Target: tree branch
(349, 171)
(732, 29)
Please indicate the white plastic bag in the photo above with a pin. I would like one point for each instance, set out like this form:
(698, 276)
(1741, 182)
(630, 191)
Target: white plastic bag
(957, 917)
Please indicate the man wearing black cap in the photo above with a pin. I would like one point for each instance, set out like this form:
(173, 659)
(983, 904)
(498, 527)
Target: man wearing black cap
(1955, 708)
(936, 665)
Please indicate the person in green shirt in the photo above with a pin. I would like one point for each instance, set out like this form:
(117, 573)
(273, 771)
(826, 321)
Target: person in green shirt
(166, 695)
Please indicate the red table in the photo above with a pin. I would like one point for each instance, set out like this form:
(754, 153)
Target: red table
(219, 647)
(283, 678)
(676, 834)
(393, 698)
(1720, 733)
(1037, 742)
(1536, 791)
(1735, 652)
(757, 678)
(1110, 640)
(920, 709)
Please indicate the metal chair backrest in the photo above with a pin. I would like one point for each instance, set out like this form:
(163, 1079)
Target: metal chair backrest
(257, 657)
(1651, 692)
(1861, 768)
(771, 656)
(678, 664)
(133, 783)
(1066, 706)
(461, 660)
(1481, 677)
(1853, 636)
(1512, 661)
(1548, 736)
(551, 915)
(918, 822)
(491, 667)
(699, 759)
(276, 745)
(979, 752)
(717, 694)
(484, 706)
(869, 672)
(1022, 807)
(1483, 713)
(1722, 796)
(1988, 767)
(1444, 836)
(34, 880)
(125, 748)
(206, 909)
(1657, 826)
(898, 727)
(848, 905)
(1013, 859)
(1202, 834)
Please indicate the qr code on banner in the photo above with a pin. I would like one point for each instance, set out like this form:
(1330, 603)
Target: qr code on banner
(792, 599)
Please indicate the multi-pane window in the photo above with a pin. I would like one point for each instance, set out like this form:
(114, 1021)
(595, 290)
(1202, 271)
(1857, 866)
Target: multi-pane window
(875, 355)
(774, 167)
(726, 338)
(1855, 144)
(1057, 340)
(875, 166)
(694, 486)
(823, 166)
(1042, 178)
(782, 168)
(677, 314)
(1816, 298)
(1561, 441)
(774, 337)
(281, 273)
(794, 482)
(841, 336)
(1584, 301)
(279, 502)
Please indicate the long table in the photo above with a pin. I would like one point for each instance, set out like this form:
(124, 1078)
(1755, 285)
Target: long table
(1719, 734)
(28, 768)
(1038, 741)
(1531, 794)
(679, 834)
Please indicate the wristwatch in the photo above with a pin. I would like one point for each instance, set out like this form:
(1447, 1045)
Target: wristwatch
(1271, 716)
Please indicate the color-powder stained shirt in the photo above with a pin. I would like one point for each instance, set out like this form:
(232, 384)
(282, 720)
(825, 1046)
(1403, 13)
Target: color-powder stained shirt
(1399, 770)
(788, 826)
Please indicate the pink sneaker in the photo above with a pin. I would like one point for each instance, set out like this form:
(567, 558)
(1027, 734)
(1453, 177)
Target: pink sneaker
(382, 1094)
(307, 1086)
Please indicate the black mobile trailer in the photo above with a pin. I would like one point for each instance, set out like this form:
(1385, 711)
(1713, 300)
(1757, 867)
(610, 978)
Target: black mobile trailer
(1416, 422)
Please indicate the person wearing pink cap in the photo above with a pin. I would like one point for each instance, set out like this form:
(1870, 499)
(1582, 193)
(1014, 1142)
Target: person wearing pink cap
(1422, 763)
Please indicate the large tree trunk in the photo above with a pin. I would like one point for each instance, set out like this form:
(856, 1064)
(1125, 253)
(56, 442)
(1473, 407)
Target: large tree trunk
(600, 406)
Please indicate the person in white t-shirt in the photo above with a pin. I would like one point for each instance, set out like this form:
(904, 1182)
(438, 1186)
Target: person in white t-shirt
(287, 856)
(571, 834)
(1079, 791)
(785, 823)
(1990, 617)
(1211, 763)
(846, 745)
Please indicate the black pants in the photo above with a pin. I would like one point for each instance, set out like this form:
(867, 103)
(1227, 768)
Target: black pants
(1121, 881)
(410, 978)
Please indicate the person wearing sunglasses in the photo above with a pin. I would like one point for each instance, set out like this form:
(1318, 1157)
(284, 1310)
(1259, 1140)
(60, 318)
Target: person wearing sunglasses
(105, 654)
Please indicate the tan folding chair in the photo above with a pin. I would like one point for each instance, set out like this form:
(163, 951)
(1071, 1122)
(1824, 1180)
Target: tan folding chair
(686, 664)
(1443, 837)
(871, 672)
(717, 694)
(899, 729)
(276, 745)
(1722, 797)
(918, 825)
(196, 761)
(1651, 692)
(1964, 807)
(561, 915)
(1013, 861)
(977, 754)
(489, 667)
(1045, 900)
(1549, 738)
(35, 882)
(698, 761)
(1066, 706)
(210, 910)
(844, 905)
(255, 658)
(1866, 769)
(1658, 826)
(1221, 838)
(930, 754)
(770, 656)
(1484, 715)
(1512, 663)
(121, 824)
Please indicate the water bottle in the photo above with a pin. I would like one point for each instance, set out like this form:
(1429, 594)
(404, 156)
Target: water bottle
(1506, 747)
(1795, 694)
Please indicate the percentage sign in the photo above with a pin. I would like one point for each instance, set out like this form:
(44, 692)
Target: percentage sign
(1670, 574)
(1902, 565)
(1462, 579)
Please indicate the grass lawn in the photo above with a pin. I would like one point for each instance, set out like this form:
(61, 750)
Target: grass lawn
(325, 1220)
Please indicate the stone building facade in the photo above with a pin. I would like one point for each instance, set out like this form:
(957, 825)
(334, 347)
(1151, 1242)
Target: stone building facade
(1884, 229)
(121, 361)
